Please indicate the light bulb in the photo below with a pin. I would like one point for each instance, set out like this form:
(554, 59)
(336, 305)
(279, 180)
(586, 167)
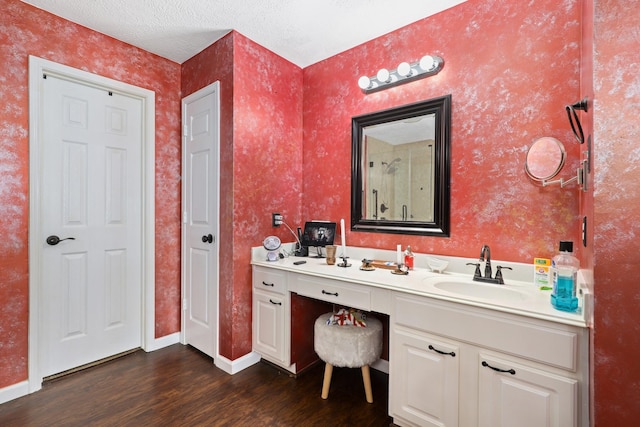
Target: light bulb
(427, 63)
(383, 75)
(404, 69)
(364, 82)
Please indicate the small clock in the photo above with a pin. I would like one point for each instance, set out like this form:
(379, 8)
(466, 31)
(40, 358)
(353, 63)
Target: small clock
(272, 244)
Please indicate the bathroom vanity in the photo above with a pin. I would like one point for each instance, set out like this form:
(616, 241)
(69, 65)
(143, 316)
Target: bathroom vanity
(460, 352)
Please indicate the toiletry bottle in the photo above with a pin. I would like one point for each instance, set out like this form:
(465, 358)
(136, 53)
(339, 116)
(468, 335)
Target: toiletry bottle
(564, 267)
(408, 258)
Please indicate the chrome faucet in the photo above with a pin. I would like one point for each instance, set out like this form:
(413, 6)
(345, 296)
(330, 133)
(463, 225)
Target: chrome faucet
(485, 256)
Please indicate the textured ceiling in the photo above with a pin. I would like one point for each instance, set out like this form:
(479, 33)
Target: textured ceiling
(302, 31)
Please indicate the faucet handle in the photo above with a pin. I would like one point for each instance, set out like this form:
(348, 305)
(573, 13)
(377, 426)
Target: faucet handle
(487, 269)
(499, 273)
(477, 273)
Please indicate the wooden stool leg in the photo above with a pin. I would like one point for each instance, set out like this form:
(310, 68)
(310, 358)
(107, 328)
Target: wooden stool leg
(366, 378)
(328, 370)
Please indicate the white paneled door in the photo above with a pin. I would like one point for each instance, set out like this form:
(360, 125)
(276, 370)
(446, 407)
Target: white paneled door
(200, 204)
(90, 216)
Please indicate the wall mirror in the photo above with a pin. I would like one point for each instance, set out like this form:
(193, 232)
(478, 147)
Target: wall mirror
(545, 159)
(400, 169)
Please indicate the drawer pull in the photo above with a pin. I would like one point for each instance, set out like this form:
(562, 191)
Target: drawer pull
(452, 353)
(267, 284)
(274, 302)
(335, 294)
(506, 371)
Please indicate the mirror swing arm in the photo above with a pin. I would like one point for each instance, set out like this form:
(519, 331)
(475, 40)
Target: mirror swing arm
(580, 178)
(585, 164)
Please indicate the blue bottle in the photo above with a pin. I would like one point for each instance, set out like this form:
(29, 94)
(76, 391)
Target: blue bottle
(564, 267)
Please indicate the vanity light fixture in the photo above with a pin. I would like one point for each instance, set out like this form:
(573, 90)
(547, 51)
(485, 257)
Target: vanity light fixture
(428, 65)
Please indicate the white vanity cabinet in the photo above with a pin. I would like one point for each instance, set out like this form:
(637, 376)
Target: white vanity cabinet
(271, 315)
(453, 360)
(332, 291)
(453, 364)
(525, 395)
(423, 374)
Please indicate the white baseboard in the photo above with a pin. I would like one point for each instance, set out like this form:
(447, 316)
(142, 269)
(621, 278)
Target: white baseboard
(14, 391)
(234, 366)
(163, 342)
(381, 365)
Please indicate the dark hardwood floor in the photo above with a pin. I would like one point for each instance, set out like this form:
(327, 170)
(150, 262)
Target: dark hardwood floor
(179, 386)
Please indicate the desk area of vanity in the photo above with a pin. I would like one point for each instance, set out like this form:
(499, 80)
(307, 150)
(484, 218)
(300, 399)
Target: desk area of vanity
(453, 358)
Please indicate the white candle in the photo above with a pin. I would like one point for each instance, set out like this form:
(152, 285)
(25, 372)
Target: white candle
(399, 254)
(343, 233)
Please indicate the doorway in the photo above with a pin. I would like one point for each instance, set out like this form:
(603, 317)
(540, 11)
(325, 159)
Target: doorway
(91, 227)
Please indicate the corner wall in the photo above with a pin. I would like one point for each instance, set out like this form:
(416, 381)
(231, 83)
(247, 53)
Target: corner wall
(261, 164)
(616, 205)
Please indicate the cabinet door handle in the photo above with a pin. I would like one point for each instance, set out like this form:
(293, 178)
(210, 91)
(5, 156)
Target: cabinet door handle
(448, 353)
(267, 284)
(506, 371)
(274, 302)
(335, 294)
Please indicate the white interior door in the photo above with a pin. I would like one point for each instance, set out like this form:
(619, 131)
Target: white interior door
(91, 194)
(200, 115)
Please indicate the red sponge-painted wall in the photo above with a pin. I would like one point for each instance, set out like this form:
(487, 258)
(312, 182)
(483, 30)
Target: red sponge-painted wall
(510, 67)
(510, 70)
(24, 31)
(260, 164)
(616, 83)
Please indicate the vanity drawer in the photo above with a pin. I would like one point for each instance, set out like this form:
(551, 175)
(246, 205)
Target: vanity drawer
(333, 291)
(268, 279)
(536, 340)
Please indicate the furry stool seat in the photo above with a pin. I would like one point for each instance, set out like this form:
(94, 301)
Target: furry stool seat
(348, 346)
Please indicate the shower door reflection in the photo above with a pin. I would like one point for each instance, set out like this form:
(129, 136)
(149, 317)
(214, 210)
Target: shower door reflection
(400, 174)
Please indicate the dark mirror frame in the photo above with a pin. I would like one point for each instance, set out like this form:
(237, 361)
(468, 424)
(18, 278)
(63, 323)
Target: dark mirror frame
(441, 107)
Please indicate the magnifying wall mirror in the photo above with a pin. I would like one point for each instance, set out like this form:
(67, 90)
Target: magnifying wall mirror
(401, 169)
(545, 159)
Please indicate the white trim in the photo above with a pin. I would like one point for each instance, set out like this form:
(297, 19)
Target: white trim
(209, 89)
(38, 67)
(163, 342)
(381, 365)
(234, 366)
(14, 391)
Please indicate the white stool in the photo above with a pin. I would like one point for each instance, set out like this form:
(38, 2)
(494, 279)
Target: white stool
(348, 346)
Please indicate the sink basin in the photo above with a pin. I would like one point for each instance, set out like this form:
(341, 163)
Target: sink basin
(481, 290)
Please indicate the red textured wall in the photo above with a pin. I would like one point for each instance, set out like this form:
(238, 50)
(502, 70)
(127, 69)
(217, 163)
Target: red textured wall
(261, 164)
(617, 203)
(510, 70)
(26, 31)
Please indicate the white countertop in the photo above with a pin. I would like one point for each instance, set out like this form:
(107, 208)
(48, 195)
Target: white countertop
(529, 301)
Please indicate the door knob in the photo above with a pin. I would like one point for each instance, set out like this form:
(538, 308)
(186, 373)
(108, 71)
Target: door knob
(54, 240)
(207, 238)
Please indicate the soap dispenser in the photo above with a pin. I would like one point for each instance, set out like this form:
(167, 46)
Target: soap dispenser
(564, 270)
